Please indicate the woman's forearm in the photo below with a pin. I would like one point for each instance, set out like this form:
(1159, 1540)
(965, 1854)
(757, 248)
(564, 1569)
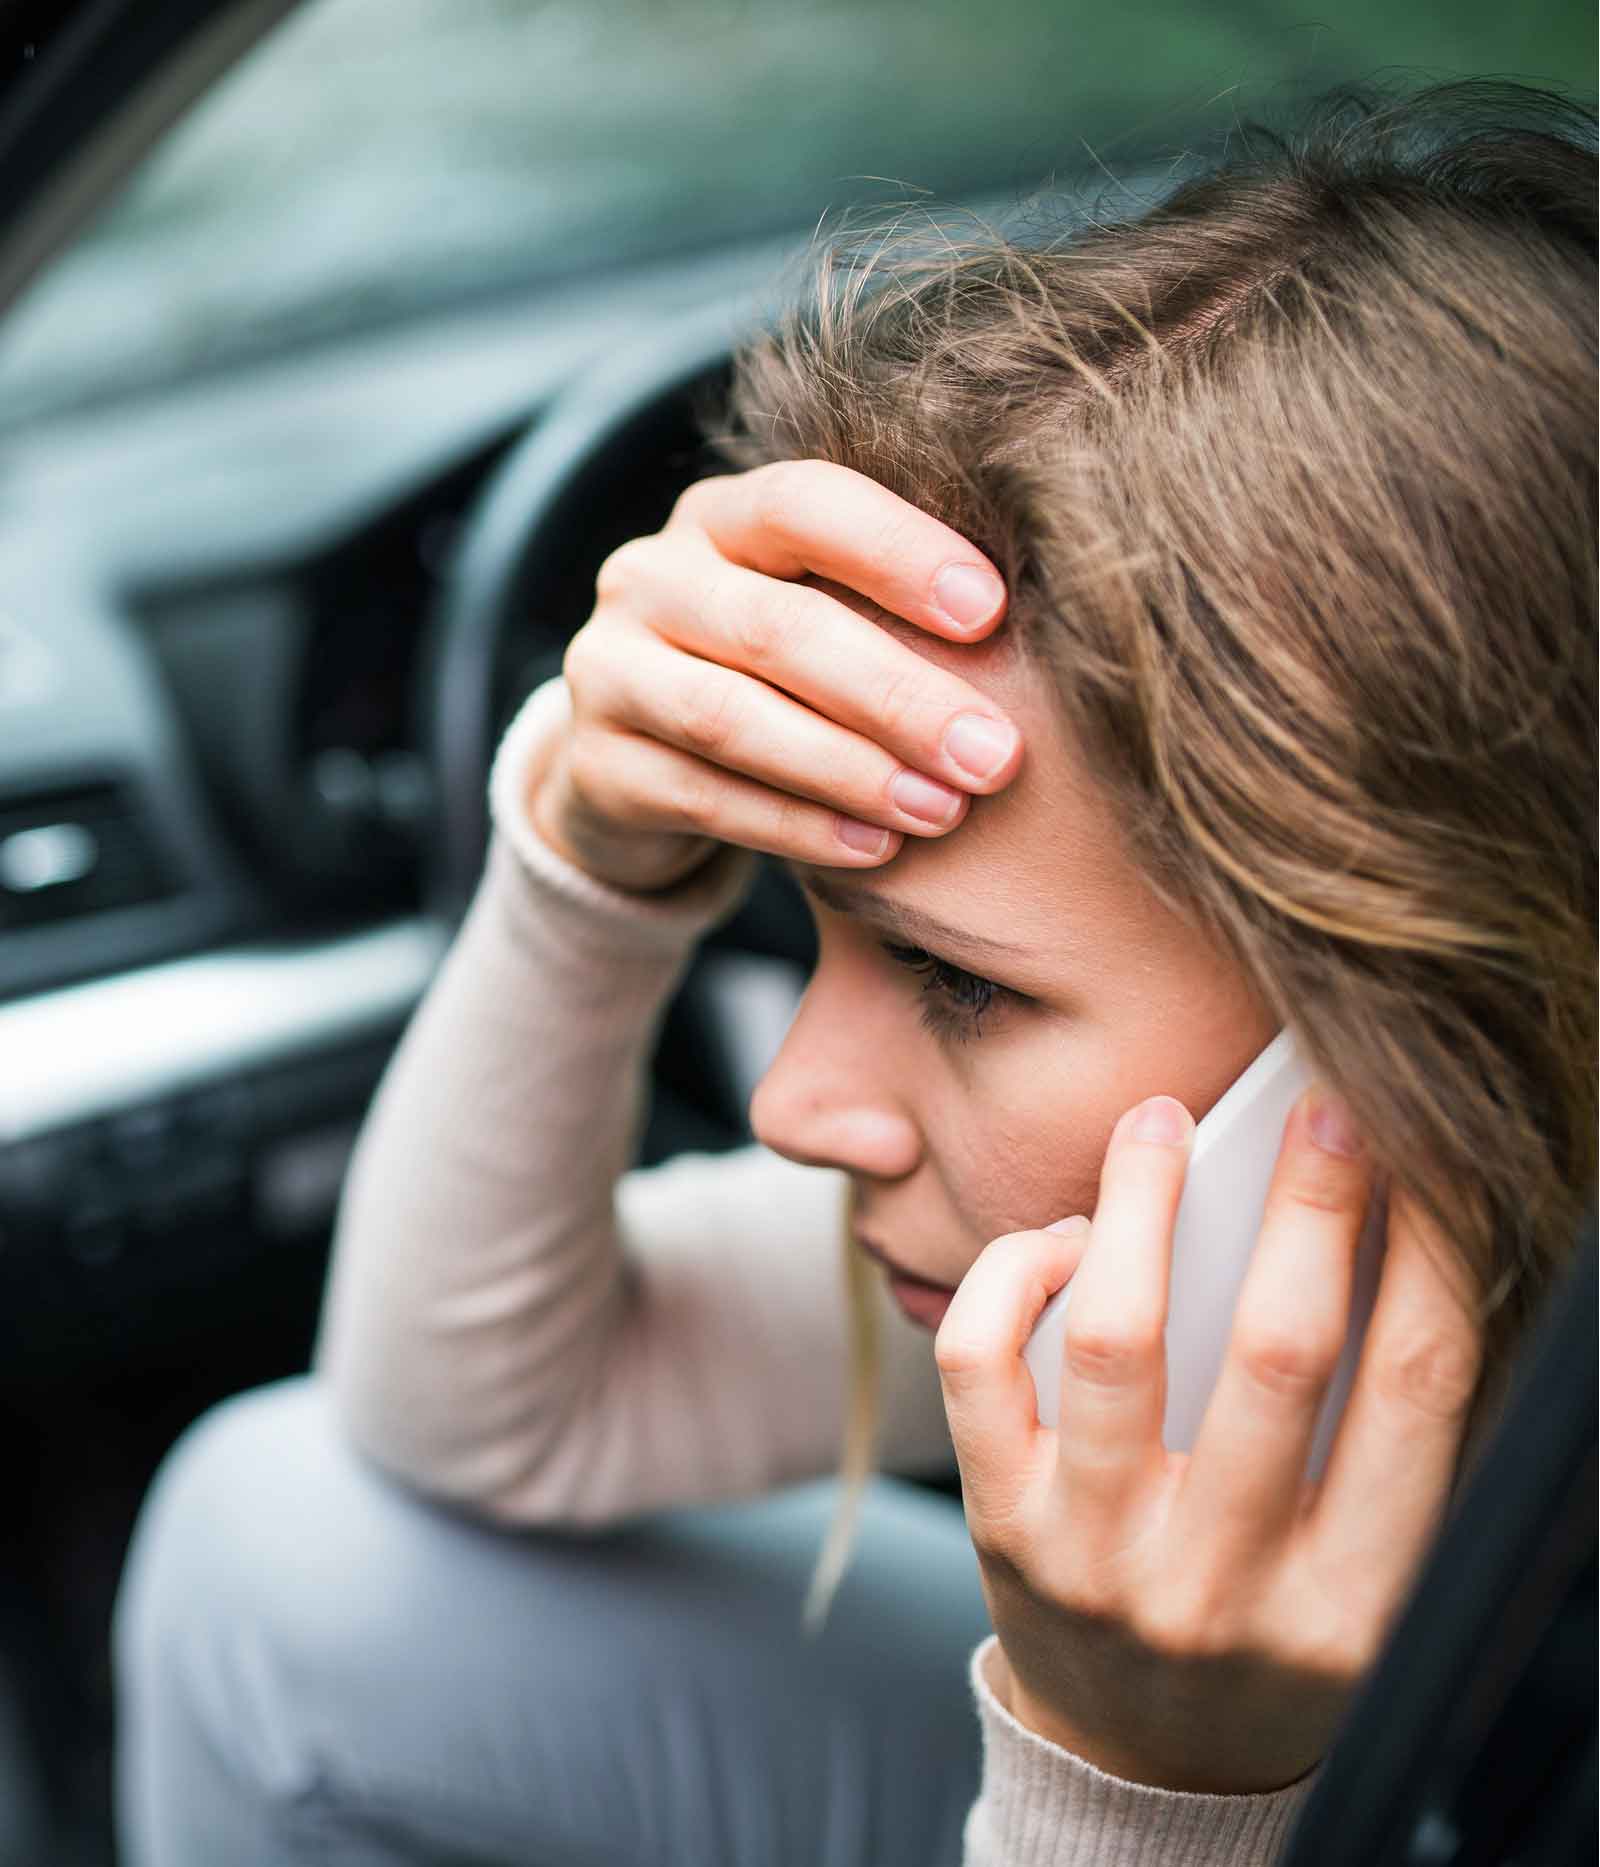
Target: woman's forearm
(516, 1321)
(477, 1276)
(478, 1281)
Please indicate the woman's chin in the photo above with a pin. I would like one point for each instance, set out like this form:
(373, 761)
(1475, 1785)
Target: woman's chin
(923, 1304)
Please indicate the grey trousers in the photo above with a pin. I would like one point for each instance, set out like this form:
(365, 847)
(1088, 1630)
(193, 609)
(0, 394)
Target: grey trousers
(313, 1665)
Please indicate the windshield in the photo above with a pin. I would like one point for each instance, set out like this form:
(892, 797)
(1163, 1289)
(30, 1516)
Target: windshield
(373, 158)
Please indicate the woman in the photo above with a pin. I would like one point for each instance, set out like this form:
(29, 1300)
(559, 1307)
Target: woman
(1135, 645)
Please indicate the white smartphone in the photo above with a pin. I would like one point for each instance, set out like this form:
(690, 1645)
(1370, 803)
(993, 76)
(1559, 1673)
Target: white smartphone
(1224, 1196)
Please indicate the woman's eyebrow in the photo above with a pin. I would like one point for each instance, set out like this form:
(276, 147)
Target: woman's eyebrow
(897, 917)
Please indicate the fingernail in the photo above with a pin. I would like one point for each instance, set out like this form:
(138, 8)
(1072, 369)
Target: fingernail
(865, 837)
(1077, 1223)
(924, 798)
(967, 595)
(979, 746)
(1162, 1119)
(1331, 1124)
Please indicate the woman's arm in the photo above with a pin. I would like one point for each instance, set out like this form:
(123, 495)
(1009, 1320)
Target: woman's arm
(516, 1322)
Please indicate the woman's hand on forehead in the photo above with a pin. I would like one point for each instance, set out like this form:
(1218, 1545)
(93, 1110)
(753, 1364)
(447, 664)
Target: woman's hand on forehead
(734, 683)
(856, 550)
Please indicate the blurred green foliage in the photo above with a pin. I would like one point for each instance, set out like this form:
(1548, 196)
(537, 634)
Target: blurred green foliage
(375, 156)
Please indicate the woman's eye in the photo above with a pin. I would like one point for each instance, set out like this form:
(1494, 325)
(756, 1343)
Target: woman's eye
(953, 1000)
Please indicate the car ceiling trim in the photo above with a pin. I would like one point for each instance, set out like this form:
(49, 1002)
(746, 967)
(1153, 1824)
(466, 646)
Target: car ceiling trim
(91, 1050)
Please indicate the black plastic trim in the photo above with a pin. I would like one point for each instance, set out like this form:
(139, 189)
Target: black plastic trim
(1516, 1545)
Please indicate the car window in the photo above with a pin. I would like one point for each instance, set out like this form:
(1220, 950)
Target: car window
(374, 157)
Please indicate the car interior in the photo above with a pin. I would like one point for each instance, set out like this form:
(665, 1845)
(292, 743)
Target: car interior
(339, 343)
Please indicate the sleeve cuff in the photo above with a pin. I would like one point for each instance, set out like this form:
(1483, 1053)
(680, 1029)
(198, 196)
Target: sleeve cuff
(1041, 1806)
(670, 918)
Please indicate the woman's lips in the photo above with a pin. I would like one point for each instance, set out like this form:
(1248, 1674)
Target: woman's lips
(919, 1298)
(923, 1303)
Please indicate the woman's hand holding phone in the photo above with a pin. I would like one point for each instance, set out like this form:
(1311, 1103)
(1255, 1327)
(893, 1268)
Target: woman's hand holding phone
(1199, 1621)
(730, 685)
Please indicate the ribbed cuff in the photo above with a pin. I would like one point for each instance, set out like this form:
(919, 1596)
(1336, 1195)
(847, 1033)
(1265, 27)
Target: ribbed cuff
(670, 918)
(1041, 1806)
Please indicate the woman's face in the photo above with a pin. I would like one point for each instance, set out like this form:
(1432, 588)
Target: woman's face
(988, 1003)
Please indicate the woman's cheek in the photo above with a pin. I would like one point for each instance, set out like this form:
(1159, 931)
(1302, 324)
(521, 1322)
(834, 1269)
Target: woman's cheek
(1028, 1145)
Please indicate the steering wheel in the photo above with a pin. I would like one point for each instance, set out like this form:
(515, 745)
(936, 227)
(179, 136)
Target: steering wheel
(601, 464)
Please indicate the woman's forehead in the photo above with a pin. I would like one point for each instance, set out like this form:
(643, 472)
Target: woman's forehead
(1045, 854)
(1042, 863)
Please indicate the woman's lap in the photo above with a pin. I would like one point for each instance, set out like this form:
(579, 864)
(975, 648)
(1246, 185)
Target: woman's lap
(315, 1665)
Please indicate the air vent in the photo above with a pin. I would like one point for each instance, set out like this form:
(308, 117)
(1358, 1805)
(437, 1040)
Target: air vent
(71, 853)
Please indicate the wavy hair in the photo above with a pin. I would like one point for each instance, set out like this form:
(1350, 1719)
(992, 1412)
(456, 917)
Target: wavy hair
(1292, 480)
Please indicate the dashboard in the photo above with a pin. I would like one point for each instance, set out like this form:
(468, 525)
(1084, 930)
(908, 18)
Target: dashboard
(218, 799)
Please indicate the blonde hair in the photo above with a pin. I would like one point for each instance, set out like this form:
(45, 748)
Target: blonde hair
(1293, 484)
(857, 1455)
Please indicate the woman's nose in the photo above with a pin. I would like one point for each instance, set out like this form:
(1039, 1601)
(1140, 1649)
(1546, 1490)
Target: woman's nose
(826, 1099)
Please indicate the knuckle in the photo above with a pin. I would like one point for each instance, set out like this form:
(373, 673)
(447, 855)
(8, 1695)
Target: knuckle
(1356, 1654)
(1183, 1624)
(759, 631)
(578, 661)
(769, 490)
(1329, 1638)
(894, 533)
(1010, 1543)
(1093, 1600)
(598, 763)
(999, 1538)
(901, 705)
(1436, 1375)
(620, 568)
(803, 829)
(1286, 1360)
(585, 770)
(958, 1355)
(695, 802)
(1105, 1352)
(899, 538)
(1322, 1183)
(699, 593)
(708, 723)
(1338, 1653)
(781, 488)
(691, 505)
(594, 780)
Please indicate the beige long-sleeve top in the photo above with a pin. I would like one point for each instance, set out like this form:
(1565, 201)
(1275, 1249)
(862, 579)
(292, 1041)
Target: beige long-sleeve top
(518, 1322)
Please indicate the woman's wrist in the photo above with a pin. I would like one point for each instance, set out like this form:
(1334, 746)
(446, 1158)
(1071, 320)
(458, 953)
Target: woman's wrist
(1040, 1720)
(1046, 1722)
(528, 759)
(635, 863)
